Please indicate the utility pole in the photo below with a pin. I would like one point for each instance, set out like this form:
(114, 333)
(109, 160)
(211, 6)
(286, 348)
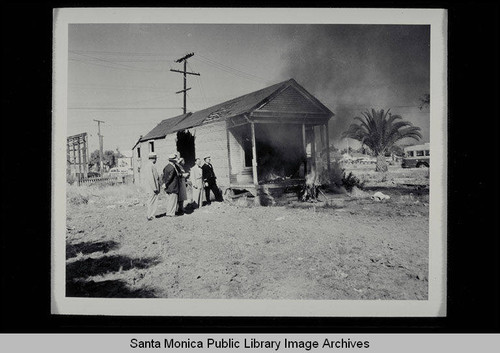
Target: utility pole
(185, 72)
(100, 143)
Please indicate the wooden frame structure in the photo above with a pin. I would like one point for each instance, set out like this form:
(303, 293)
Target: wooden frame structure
(77, 155)
(231, 133)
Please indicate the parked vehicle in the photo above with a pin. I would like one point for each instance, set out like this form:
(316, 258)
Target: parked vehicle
(417, 156)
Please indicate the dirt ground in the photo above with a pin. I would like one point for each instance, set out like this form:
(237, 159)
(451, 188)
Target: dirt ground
(357, 248)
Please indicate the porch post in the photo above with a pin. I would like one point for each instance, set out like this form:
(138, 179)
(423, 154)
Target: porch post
(254, 155)
(327, 147)
(228, 152)
(313, 148)
(304, 146)
(304, 138)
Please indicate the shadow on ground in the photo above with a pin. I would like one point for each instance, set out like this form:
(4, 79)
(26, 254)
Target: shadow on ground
(78, 272)
(72, 250)
(105, 289)
(102, 265)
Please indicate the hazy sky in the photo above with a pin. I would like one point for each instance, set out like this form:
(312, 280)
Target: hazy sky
(120, 73)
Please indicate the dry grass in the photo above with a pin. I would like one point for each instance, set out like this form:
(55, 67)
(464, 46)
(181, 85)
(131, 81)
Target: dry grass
(351, 248)
(364, 250)
(395, 175)
(78, 195)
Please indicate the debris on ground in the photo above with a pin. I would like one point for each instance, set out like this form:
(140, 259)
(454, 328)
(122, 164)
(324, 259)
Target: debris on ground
(357, 193)
(379, 196)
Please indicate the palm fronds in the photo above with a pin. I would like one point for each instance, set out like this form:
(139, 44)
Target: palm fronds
(379, 130)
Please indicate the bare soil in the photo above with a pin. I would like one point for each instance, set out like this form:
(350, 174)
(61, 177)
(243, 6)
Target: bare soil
(358, 248)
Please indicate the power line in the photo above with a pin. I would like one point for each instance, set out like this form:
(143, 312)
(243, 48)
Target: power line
(191, 100)
(118, 58)
(232, 68)
(137, 61)
(121, 108)
(231, 72)
(118, 52)
(113, 67)
(234, 73)
(119, 88)
(107, 61)
(201, 87)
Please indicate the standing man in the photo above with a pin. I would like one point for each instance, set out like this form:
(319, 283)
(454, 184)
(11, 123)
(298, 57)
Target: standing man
(152, 181)
(209, 180)
(171, 182)
(182, 195)
(197, 183)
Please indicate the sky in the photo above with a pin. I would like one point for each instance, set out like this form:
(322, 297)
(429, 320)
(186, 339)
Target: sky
(120, 73)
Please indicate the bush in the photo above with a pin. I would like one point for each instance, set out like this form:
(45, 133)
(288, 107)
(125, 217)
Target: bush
(338, 181)
(349, 181)
(78, 199)
(70, 179)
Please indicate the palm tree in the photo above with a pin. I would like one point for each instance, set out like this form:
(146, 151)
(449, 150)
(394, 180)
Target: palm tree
(379, 130)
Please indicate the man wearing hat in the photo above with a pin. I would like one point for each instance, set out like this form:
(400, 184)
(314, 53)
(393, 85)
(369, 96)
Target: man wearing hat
(209, 180)
(171, 182)
(152, 182)
(197, 183)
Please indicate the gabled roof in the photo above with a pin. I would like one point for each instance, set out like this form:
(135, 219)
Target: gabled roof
(232, 108)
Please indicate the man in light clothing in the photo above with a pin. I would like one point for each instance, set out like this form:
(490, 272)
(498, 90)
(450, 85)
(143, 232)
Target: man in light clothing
(182, 194)
(152, 182)
(197, 183)
(171, 182)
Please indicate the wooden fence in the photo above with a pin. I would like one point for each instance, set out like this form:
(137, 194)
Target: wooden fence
(109, 180)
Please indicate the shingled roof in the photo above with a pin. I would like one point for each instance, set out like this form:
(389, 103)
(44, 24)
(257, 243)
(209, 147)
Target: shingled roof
(232, 108)
(164, 128)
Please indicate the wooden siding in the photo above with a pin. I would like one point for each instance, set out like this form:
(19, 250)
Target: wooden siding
(236, 153)
(291, 100)
(211, 139)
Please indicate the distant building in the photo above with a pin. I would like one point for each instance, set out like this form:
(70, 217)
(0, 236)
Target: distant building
(125, 161)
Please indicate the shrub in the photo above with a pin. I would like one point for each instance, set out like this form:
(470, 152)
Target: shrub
(338, 181)
(334, 179)
(349, 181)
(78, 199)
(70, 179)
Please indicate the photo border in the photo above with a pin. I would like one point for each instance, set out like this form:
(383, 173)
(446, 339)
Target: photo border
(435, 306)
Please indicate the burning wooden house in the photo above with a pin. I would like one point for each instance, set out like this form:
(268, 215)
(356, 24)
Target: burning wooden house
(263, 140)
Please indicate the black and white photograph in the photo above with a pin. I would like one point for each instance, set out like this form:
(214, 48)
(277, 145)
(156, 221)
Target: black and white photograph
(267, 162)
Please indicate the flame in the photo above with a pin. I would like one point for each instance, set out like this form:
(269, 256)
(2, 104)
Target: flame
(311, 178)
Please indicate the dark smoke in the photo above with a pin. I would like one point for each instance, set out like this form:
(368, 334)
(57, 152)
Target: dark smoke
(352, 68)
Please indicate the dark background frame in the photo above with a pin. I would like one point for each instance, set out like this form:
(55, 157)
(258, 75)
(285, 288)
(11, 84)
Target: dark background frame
(473, 246)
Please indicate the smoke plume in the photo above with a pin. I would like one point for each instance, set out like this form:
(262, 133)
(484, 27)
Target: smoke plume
(352, 68)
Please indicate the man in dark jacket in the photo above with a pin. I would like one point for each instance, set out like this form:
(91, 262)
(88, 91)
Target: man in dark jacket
(210, 180)
(171, 182)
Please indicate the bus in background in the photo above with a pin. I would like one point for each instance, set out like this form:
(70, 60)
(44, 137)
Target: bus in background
(417, 156)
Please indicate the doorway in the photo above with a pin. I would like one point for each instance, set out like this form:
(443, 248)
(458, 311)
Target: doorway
(185, 146)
